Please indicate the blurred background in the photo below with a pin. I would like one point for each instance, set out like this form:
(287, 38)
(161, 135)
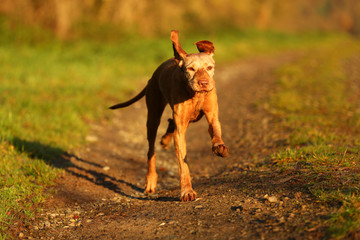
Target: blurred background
(64, 62)
(107, 18)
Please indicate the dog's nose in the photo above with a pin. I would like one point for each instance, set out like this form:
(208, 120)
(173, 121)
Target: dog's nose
(203, 83)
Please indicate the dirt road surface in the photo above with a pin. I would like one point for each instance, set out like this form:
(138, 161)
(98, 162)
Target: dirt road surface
(100, 195)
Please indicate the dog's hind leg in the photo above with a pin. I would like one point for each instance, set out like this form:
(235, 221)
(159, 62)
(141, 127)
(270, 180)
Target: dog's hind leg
(168, 136)
(155, 110)
(166, 139)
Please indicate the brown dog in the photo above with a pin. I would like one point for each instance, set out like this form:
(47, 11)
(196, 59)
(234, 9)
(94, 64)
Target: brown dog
(186, 83)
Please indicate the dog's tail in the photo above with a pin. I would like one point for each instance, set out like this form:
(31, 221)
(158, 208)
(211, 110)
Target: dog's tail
(131, 101)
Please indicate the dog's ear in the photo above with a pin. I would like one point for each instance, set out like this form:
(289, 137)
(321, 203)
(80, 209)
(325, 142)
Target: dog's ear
(205, 46)
(179, 53)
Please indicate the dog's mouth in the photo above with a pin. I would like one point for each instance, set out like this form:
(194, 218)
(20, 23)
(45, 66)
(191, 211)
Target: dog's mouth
(204, 90)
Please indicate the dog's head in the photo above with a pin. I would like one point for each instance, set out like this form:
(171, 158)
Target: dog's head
(199, 67)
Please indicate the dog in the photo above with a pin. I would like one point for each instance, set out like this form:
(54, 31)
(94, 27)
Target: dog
(186, 83)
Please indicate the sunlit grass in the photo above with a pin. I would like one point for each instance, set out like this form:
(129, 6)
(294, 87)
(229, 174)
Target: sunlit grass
(315, 101)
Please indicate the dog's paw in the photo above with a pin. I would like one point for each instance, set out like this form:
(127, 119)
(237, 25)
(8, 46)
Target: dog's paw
(165, 141)
(150, 186)
(188, 195)
(149, 189)
(220, 150)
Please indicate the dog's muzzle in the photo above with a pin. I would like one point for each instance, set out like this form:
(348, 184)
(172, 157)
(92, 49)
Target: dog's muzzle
(204, 85)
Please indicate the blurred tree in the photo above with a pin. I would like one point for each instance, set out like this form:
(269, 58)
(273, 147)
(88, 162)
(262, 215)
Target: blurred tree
(149, 17)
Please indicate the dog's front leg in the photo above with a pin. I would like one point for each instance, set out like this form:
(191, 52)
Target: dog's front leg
(212, 115)
(187, 192)
(218, 146)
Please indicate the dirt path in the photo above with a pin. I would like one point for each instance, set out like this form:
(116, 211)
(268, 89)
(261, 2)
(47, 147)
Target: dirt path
(240, 197)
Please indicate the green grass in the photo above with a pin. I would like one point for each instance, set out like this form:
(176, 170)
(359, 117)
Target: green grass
(50, 90)
(318, 103)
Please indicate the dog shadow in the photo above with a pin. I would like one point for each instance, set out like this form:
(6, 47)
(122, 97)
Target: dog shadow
(58, 158)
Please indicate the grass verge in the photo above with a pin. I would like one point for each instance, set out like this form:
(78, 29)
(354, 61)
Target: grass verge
(317, 98)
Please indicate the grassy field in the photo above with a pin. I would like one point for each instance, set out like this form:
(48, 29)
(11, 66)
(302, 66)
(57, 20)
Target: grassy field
(50, 90)
(317, 98)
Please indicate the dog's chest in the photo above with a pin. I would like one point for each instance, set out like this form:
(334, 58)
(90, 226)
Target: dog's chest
(197, 107)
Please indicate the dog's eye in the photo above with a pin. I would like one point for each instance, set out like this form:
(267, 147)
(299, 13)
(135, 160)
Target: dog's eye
(191, 69)
(209, 68)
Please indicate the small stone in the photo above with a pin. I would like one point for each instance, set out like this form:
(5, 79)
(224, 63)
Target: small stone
(21, 235)
(272, 199)
(162, 224)
(106, 168)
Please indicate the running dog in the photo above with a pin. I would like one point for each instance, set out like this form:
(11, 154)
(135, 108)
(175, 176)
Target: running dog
(186, 83)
